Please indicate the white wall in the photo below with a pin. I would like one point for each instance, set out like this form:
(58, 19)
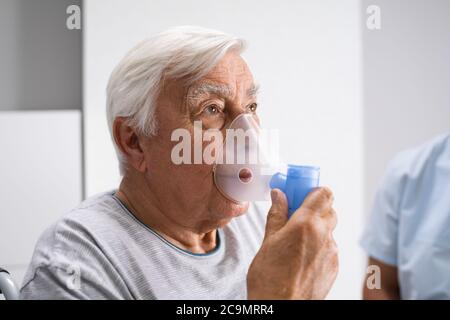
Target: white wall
(307, 57)
(406, 81)
(40, 150)
(40, 179)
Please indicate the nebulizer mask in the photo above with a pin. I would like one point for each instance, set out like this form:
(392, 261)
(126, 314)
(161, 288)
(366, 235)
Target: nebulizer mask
(247, 167)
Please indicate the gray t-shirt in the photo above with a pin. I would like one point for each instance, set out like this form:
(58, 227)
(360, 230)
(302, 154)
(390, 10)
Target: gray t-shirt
(100, 250)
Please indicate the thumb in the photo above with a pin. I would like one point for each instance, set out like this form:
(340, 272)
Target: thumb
(278, 213)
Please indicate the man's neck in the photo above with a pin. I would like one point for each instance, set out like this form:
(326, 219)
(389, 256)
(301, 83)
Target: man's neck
(135, 194)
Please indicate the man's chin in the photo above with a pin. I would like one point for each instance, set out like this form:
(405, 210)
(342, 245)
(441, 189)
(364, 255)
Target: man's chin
(226, 209)
(240, 208)
(232, 209)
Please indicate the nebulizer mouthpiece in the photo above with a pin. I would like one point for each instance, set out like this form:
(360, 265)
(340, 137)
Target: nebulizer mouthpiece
(296, 184)
(248, 167)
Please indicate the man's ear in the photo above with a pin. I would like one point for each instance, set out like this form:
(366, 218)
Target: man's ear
(127, 140)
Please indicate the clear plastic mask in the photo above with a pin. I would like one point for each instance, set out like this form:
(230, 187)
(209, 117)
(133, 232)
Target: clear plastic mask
(244, 169)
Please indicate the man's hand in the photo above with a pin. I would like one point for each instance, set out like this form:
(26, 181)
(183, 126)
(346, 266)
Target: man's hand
(298, 258)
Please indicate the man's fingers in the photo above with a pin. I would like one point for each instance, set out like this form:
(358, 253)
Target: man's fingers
(317, 210)
(318, 201)
(278, 213)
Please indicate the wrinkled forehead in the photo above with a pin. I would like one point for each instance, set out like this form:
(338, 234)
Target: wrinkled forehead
(230, 78)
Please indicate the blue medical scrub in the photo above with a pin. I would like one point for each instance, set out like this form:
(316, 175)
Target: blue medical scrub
(410, 222)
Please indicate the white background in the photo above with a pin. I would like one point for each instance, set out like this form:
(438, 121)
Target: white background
(40, 179)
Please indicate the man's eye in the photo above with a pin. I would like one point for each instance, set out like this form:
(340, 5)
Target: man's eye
(252, 107)
(212, 109)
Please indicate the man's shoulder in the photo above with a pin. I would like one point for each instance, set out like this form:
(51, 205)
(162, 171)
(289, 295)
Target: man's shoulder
(99, 201)
(78, 235)
(411, 164)
(416, 174)
(96, 214)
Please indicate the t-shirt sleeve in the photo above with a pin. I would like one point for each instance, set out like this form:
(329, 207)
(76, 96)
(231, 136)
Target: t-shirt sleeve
(379, 239)
(54, 283)
(69, 264)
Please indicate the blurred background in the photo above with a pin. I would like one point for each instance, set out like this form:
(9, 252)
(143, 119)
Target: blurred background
(345, 96)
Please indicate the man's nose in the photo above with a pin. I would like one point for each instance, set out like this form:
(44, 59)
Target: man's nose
(235, 111)
(238, 112)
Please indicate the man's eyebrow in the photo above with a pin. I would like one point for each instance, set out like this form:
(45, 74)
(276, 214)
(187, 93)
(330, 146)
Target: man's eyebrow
(211, 88)
(214, 88)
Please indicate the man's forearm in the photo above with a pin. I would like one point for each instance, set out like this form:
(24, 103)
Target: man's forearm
(381, 294)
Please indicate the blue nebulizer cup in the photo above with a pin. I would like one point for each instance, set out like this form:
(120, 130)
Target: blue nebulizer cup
(296, 184)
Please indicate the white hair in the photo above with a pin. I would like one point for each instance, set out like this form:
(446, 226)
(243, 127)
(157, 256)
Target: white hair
(181, 52)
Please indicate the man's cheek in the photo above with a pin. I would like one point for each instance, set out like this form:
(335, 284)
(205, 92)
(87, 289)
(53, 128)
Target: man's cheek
(196, 175)
(206, 173)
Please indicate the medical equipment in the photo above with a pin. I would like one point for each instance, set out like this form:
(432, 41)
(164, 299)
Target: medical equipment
(243, 169)
(7, 286)
(296, 184)
(247, 167)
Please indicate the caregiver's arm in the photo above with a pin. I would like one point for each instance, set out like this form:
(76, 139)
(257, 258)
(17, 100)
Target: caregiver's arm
(298, 258)
(390, 289)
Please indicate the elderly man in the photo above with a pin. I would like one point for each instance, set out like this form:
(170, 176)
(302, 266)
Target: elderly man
(167, 232)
